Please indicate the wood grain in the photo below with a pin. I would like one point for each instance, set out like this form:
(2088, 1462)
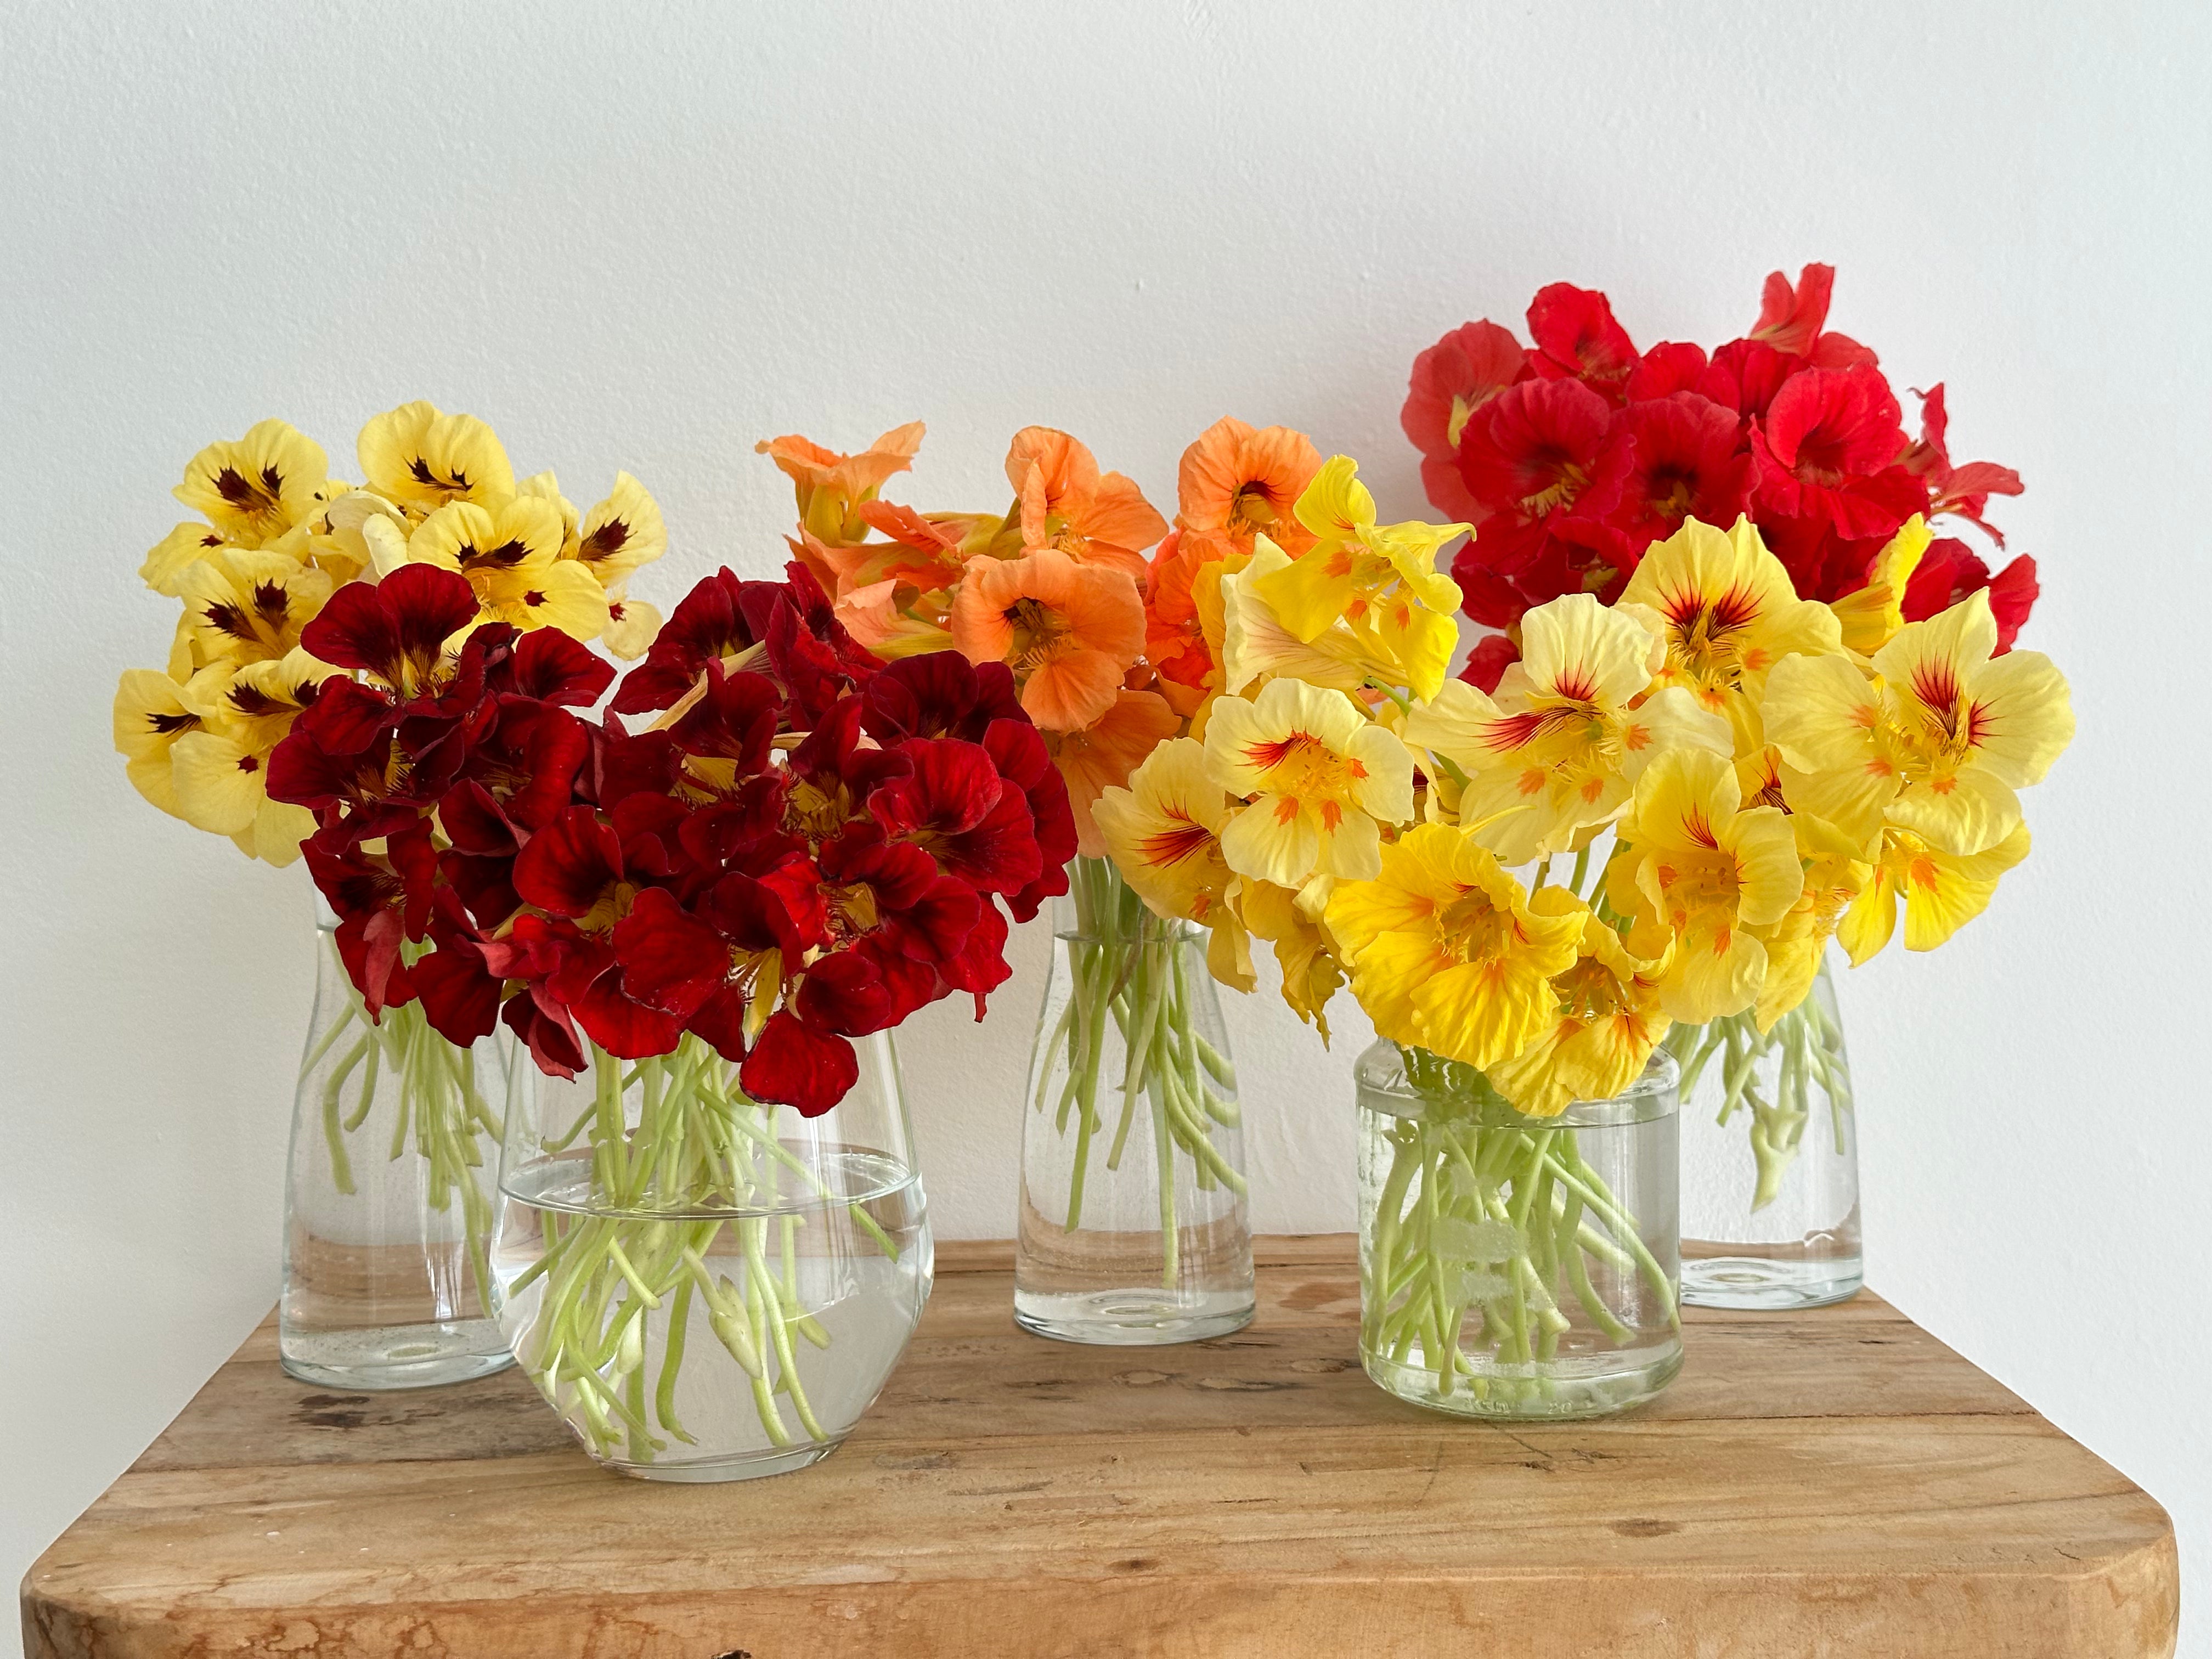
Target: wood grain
(1832, 1482)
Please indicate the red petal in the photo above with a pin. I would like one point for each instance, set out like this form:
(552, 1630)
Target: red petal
(794, 1066)
(569, 864)
(551, 667)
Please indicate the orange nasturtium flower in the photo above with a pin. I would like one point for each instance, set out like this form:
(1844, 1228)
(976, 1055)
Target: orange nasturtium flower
(832, 486)
(1065, 502)
(1069, 631)
(1236, 483)
(1101, 756)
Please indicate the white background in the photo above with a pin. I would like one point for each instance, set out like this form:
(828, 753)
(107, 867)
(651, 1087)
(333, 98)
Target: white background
(646, 240)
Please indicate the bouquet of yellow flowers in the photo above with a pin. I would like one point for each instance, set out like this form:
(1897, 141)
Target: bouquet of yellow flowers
(1702, 783)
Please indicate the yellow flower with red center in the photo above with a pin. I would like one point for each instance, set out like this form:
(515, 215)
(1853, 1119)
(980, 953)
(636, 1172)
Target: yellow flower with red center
(1555, 754)
(1937, 742)
(1445, 952)
(1383, 577)
(511, 554)
(1319, 775)
(1609, 1020)
(1695, 859)
(1942, 891)
(219, 768)
(1163, 830)
(1729, 614)
(422, 459)
(258, 487)
(245, 606)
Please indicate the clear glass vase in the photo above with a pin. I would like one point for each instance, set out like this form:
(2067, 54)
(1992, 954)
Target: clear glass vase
(1514, 1267)
(1770, 1159)
(706, 1288)
(1133, 1227)
(388, 1196)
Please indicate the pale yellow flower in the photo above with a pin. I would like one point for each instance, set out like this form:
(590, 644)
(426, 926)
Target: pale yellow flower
(421, 458)
(258, 487)
(1320, 775)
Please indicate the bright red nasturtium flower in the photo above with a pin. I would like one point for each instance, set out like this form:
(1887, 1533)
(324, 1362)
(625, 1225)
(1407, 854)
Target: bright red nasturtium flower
(1571, 455)
(803, 847)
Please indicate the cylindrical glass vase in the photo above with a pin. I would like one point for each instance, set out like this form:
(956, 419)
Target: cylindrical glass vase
(1133, 1227)
(1514, 1267)
(388, 1196)
(1770, 1159)
(704, 1288)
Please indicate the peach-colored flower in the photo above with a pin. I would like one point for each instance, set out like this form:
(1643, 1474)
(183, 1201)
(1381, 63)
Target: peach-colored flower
(832, 486)
(1069, 631)
(1101, 756)
(1068, 504)
(1236, 483)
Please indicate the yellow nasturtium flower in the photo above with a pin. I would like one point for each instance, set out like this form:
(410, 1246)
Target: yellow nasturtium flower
(1163, 831)
(258, 487)
(511, 554)
(1609, 1019)
(1445, 952)
(1942, 891)
(1730, 614)
(171, 558)
(1936, 743)
(422, 460)
(1303, 950)
(1257, 645)
(1693, 858)
(1319, 774)
(1871, 616)
(620, 535)
(220, 769)
(1380, 577)
(244, 606)
(150, 715)
(1556, 752)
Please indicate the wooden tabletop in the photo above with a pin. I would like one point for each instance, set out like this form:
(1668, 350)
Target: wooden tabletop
(1830, 1482)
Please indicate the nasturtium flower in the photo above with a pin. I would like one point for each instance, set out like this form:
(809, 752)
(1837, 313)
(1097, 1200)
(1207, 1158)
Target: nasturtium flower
(1353, 561)
(1163, 831)
(1834, 879)
(1609, 1017)
(246, 607)
(423, 459)
(1256, 644)
(1065, 503)
(150, 715)
(258, 487)
(220, 770)
(1871, 616)
(173, 557)
(1236, 484)
(832, 487)
(1693, 857)
(1729, 615)
(1325, 777)
(1936, 743)
(1445, 952)
(632, 626)
(1303, 950)
(1101, 756)
(1558, 751)
(620, 534)
(1069, 631)
(511, 554)
(1942, 891)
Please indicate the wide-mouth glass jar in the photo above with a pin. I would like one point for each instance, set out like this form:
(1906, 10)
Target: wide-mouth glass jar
(1512, 1265)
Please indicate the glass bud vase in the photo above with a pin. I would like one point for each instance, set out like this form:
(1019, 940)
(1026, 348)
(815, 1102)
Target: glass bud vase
(705, 1287)
(388, 1196)
(1514, 1267)
(1133, 1228)
(1770, 1159)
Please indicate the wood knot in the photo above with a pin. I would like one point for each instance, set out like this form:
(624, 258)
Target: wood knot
(1134, 1564)
(1143, 1379)
(1644, 1527)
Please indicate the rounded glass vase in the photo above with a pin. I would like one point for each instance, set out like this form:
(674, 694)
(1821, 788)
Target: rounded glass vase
(1133, 1227)
(1770, 1159)
(388, 1196)
(703, 1286)
(1514, 1267)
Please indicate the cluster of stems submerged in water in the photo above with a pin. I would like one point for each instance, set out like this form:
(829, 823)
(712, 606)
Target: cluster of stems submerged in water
(442, 1114)
(699, 1145)
(1810, 1043)
(1132, 971)
(1487, 1228)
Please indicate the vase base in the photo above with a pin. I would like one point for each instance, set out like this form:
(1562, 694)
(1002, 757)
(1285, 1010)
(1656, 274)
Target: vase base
(748, 1466)
(1761, 1285)
(1134, 1318)
(376, 1359)
(1592, 1385)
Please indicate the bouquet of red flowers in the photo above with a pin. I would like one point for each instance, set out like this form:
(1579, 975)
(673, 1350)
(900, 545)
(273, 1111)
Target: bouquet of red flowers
(1572, 455)
(804, 847)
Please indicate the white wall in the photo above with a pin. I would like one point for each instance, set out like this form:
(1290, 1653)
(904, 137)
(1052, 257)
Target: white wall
(645, 237)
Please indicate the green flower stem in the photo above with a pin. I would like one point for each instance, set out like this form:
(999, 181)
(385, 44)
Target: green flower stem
(1805, 1049)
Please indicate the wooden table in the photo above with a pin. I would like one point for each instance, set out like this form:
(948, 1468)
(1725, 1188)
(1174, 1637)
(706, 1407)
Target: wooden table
(1832, 1482)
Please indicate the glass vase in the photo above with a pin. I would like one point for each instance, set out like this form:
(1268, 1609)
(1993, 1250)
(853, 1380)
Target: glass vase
(1770, 1159)
(1514, 1267)
(388, 1196)
(1133, 1227)
(705, 1287)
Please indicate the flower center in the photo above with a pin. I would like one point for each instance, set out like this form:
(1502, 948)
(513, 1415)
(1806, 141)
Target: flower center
(1040, 634)
(1472, 928)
